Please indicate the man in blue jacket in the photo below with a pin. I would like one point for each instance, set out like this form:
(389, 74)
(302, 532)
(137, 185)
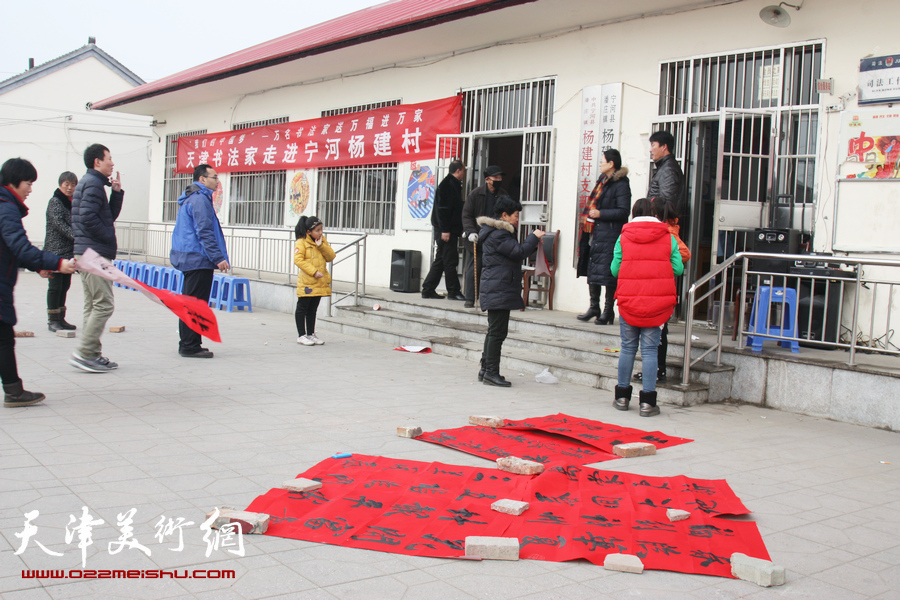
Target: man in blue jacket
(94, 224)
(198, 249)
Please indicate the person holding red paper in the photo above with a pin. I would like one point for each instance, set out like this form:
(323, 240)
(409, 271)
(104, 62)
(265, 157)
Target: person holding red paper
(16, 177)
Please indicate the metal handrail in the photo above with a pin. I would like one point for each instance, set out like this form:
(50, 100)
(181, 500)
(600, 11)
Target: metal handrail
(263, 250)
(721, 273)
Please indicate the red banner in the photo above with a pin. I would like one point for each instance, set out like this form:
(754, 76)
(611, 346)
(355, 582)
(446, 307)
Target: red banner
(401, 133)
(428, 509)
(194, 312)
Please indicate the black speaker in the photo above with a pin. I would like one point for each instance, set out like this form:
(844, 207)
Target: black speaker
(405, 270)
(818, 305)
(774, 241)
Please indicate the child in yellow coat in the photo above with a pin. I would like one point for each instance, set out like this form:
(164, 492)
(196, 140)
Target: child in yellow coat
(311, 254)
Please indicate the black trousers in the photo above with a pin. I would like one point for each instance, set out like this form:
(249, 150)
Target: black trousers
(446, 259)
(498, 328)
(470, 270)
(663, 348)
(197, 284)
(305, 314)
(8, 372)
(57, 289)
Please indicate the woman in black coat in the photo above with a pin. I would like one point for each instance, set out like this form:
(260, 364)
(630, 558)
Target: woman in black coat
(501, 279)
(613, 208)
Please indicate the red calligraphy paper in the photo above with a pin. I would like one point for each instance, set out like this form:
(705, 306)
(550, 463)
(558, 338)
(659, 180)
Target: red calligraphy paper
(194, 312)
(428, 509)
(401, 133)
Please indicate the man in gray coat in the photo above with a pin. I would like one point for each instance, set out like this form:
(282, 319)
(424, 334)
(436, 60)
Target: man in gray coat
(93, 221)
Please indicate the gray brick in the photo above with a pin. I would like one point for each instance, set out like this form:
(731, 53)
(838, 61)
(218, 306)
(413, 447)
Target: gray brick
(409, 432)
(492, 548)
(627, 563)
(519, 466)
(249, 522)
(634, 449)
(510, 507)
(486, 421)
(301, 485)
(66, 333)
(676, 514)
(756, 570)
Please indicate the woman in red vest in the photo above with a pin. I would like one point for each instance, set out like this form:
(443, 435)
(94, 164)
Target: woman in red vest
(646, 261)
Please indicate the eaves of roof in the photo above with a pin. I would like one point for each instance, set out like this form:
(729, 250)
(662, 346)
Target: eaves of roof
(66, 60)
(377, 22)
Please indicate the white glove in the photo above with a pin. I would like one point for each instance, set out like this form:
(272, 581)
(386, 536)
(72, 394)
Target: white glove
(473, 237)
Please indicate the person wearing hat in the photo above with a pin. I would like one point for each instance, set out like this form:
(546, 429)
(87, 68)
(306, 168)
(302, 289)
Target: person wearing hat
(479, 203)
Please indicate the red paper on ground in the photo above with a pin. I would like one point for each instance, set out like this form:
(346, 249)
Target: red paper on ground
(428, 509)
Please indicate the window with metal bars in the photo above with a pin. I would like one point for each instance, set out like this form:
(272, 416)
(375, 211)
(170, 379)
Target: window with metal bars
(362, 198)
(256, 198)
(174, 183)
(509, 106)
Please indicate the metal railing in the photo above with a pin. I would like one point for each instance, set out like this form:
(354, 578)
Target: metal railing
(822, 298)
(267, 253)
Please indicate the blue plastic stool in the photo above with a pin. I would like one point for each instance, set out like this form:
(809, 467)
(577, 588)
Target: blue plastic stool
(176, 282)
(215, 291)
(154, 276)
(121, 265)
(165, 278)
(132, 270)
(233, 290)
(766, 298)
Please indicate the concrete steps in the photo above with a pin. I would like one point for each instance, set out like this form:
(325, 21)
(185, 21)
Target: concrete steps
(583, 354)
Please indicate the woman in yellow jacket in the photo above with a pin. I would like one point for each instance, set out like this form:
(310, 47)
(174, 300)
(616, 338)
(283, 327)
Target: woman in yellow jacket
(311, 254)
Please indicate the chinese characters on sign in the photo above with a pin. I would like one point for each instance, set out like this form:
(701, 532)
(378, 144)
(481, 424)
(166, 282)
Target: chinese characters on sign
(601, 114)
(400, 133)
(879, 80)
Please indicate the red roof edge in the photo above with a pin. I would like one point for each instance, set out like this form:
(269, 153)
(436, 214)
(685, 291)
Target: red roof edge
(430, 19)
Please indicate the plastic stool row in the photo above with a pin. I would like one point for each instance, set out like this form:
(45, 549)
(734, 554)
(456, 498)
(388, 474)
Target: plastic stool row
(228, 292)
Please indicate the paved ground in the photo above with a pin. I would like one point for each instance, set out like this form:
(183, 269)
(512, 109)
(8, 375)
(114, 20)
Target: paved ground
(174, 437)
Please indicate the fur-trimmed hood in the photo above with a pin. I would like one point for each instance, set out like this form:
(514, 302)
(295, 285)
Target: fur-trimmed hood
(623, 172)
(496, 224)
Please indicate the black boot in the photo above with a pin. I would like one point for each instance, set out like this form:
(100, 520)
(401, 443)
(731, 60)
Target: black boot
(62, 320)
(608, 315)
(594, 309)
(623, 397)
(53, 323)
(492, 374)
(15, 395)
(481, 370)
(648, 404)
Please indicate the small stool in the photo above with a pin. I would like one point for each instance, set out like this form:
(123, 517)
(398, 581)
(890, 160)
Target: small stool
(165, 277)
(121, 265)
(215, 292)
(154, 275)
(766, 298)
(233, 290)
(176, 281)
(131, 270)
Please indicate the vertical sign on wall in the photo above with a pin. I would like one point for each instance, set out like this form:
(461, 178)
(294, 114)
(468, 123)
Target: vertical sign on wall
(601, 115)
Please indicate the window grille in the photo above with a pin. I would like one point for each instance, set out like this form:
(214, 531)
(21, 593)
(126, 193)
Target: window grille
(509, 106)
(257, 198)
(360, 198)
(174, 183)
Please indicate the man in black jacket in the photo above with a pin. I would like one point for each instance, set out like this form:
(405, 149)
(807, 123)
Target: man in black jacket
(446, 217)
(479, 203)
(93, 221)
(668, 180)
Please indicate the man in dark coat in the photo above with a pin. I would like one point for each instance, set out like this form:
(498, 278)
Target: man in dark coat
(198, 249)
(446, 217)
(502, 280)
(479, 203)
(60, 239)
(93, 220)
(16, 177)
(668, 180)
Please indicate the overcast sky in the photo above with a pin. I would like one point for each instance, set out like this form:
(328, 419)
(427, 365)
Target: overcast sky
(153, 38)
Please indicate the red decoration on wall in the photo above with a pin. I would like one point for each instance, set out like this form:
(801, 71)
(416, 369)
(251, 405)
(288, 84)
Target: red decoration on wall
(401, 133)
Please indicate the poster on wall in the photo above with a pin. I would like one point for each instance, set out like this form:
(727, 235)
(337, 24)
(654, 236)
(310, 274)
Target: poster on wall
(418, 196)
(300, 196)
(870, 144)
(601, 115)
(879, 79)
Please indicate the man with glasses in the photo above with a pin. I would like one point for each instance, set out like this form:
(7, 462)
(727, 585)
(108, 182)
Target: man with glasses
(198, 249)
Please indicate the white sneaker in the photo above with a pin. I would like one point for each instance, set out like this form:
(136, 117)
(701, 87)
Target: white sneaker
(315, 339)
(305, 340)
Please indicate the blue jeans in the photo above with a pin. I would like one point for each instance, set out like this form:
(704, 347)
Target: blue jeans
(649, 340)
